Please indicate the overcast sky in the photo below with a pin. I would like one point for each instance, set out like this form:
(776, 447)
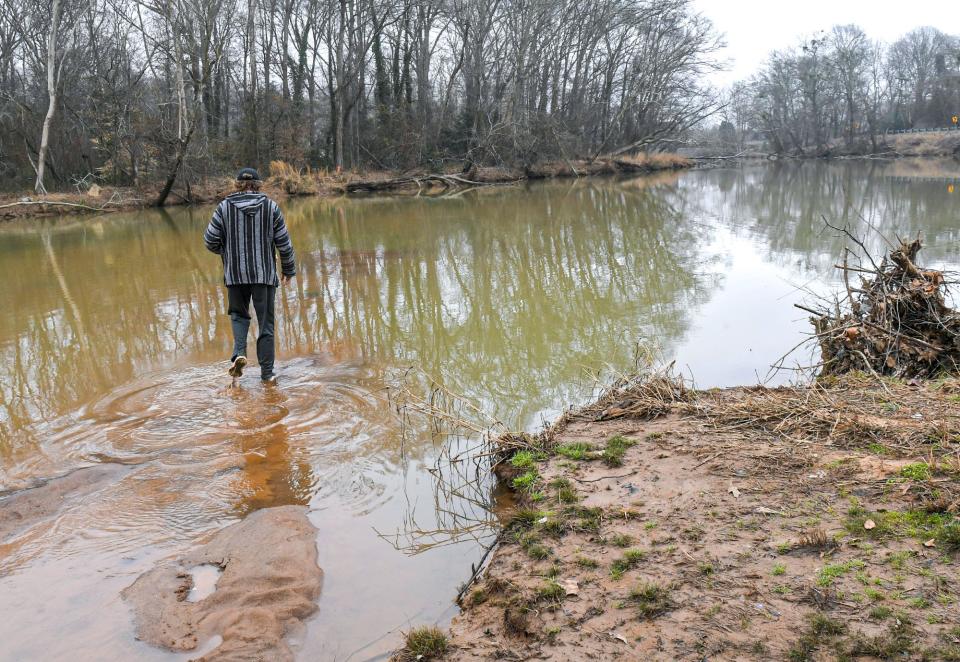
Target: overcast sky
(753, 28)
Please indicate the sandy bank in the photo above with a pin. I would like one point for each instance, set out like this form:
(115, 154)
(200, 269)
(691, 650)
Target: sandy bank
(269, 584)
(749, 523)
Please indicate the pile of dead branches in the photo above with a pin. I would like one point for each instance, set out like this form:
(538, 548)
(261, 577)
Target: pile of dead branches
(642, 396)
(895, 323)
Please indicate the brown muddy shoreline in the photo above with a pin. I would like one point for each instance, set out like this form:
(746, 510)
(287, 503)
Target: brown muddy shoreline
(288, 182)
(745, 523)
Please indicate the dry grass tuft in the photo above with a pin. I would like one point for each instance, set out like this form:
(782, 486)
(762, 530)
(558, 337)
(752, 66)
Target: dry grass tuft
(849, 411)
(640, 396)
(423, 643)
(295, 181)
(814, 539)
(657, 160)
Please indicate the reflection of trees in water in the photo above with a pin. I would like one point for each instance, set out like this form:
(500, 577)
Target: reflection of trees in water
(512, 300)
(784, 204)
(512, 294)
(86, 309)
(274, 472)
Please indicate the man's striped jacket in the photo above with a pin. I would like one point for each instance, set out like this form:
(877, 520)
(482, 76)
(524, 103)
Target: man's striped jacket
(246, 230)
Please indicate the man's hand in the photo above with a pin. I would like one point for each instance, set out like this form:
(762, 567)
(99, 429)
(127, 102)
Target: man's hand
(285, 279)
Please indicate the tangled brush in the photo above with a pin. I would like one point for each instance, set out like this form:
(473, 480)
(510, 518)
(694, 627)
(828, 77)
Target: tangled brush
(896, 323)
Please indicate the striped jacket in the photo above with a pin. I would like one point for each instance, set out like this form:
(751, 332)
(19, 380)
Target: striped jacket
(246, 230)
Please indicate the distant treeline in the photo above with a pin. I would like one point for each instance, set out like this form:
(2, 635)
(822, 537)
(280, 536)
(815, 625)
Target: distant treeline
(158, 91)
(842, 88)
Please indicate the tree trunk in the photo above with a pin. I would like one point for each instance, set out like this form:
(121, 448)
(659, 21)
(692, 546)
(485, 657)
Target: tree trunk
(253, 135)
(182, 146)
(52, 92)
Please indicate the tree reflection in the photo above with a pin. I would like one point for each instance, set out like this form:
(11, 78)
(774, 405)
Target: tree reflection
(784, 205)
(275, 473)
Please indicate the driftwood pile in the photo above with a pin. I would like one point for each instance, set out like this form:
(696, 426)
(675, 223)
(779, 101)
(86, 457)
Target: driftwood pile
(896, 323)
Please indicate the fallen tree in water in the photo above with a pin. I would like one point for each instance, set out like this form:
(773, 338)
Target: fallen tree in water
(895, 323)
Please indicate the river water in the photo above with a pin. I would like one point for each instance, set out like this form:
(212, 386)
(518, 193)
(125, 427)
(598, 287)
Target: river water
(114, 338)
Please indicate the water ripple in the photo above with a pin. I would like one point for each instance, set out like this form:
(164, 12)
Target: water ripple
(205, 452)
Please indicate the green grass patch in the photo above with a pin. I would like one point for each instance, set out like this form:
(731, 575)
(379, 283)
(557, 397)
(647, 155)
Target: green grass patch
(539, 552)
(820, 628)
(523, 460)
(650, 599)
(944, 528)
(874, 594)
(895, 643)
(616, 449)
(555, 527)
(587, 519)
(586, 563)
(880, 613)
(829, 573)
(478, 597)
(526, 482)
(525, 518)
(898, 560)
(919, 471)
(551, 592)
(621, 540)
(821, 625)
(855, 509)
(576, 450)
(630, 559)
(567, 495)
(778, 570)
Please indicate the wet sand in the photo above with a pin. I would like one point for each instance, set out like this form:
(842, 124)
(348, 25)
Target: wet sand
(269, 585)
(29, 507)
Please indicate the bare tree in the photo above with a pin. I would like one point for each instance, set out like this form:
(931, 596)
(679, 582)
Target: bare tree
(169, 91)
(841, 85)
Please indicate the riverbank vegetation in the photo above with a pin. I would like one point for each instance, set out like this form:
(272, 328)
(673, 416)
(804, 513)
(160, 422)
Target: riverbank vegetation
(797, 523)
(285, 181)
(163, 95)
(840, 92)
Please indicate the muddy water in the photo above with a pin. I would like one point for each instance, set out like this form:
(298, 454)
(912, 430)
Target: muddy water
(113, 340)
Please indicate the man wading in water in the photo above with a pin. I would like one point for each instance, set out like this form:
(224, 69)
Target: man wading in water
(246, 230)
